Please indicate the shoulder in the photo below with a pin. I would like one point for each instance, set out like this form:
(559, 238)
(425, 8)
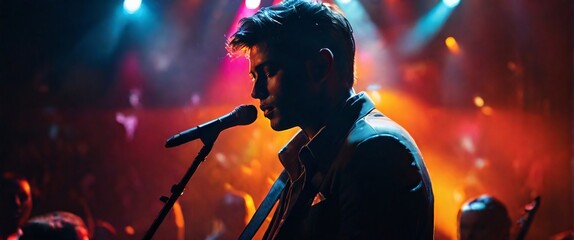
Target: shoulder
(376, 145)
(375, 128)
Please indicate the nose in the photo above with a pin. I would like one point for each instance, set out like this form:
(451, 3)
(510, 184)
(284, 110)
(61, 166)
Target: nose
(259, 90)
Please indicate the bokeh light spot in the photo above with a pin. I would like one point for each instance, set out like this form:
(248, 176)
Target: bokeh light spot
(452, 45)
(478, 101)
(129, 230)
(487, 110)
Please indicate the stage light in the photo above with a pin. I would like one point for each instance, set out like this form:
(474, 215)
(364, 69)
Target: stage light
(451, 3)
(131, 6)
(373, 57)
(252, 4)
(425, 29)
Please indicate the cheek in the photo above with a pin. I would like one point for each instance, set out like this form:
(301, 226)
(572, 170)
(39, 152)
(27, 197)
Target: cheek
(280, 89)
(273, 86)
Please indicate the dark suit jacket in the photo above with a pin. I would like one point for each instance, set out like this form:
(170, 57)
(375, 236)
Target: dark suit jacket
(361, 177)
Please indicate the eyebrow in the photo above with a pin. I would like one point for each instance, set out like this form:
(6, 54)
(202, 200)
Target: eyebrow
(260, 66)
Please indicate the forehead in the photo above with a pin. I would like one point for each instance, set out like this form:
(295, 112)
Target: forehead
(260, 52)
(278, 55)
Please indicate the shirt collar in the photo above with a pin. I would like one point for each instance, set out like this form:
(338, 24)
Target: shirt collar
(289, 155)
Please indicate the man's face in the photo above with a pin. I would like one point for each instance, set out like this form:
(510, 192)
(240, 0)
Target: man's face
(282, 85)
(475, 225)
(15, 204)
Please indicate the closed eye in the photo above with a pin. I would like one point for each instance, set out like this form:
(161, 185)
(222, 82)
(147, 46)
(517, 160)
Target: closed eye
(270, 71)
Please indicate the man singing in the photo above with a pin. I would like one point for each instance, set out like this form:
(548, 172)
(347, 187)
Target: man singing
(353, 173)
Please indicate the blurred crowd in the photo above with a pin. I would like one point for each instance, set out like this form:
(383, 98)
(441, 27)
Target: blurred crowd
(482, 217)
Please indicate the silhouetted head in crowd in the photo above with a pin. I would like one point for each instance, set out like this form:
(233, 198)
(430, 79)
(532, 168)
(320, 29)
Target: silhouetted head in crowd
(233, 213)
(15, 203)
(484, 217)
(58, 225)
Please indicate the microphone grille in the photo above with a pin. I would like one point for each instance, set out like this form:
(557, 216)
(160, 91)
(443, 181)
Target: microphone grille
(245, 114)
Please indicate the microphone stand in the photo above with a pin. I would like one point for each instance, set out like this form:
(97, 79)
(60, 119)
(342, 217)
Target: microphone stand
(177, 189)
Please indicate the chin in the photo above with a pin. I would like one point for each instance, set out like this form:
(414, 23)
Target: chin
(280, 126)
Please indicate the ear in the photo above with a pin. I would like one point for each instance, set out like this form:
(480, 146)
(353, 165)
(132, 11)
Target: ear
(321, 65)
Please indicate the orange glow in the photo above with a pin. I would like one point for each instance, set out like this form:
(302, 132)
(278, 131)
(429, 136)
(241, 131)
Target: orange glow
(250, 207)
(394, 104)
(179, 221)
(446, 181)
(478, 101)
(452, 45)
(130, 230)
(486, 110)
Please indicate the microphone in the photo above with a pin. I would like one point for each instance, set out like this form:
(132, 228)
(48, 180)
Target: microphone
(241, 115)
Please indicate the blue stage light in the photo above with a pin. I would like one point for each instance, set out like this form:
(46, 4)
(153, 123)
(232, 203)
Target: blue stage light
(131, 6)
(451, 3)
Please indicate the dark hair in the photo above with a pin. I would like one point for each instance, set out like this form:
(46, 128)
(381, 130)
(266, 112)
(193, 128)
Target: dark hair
(489, 206)
(299, 27)
(59, 225)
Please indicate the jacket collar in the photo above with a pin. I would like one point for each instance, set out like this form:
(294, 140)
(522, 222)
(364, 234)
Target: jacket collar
(318, 153)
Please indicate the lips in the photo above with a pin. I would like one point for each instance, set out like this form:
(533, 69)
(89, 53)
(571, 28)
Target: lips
(267, 110)
(268, 113)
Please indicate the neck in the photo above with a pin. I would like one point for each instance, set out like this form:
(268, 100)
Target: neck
(310, 131)
(328, 111)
